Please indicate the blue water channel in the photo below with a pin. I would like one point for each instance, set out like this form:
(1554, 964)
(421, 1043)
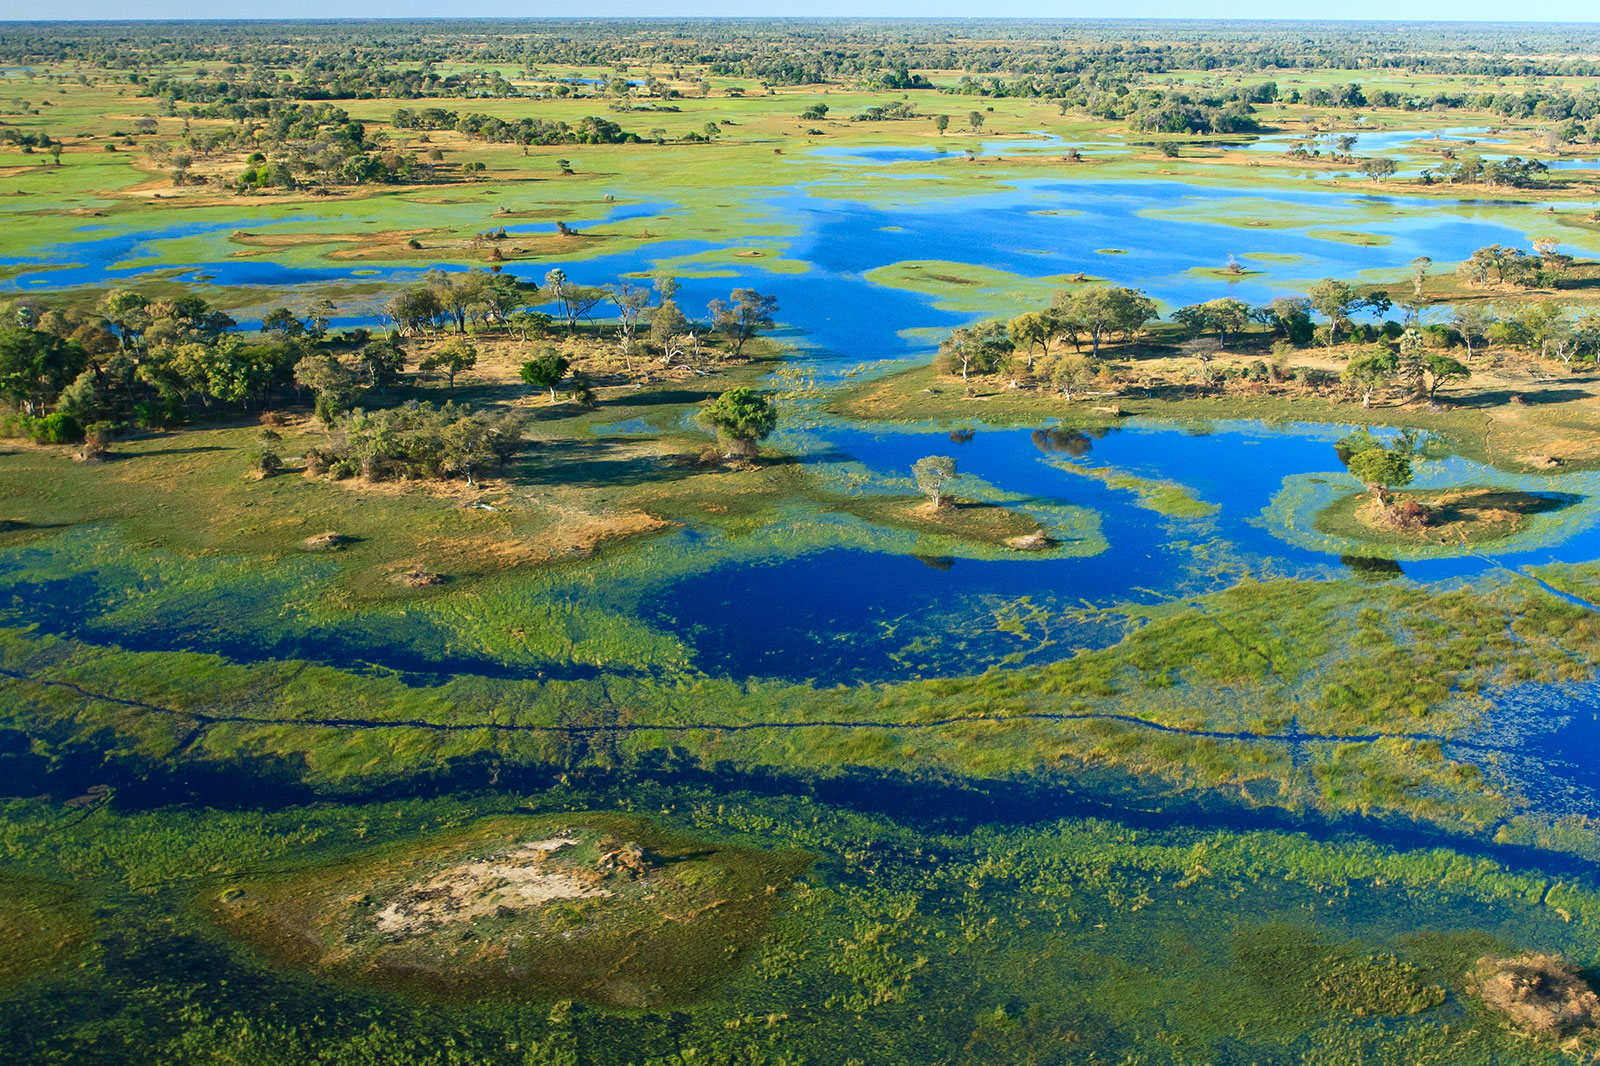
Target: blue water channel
(844, 614)
(1038, 228)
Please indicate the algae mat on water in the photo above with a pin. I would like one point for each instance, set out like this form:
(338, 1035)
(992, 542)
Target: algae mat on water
(599, 908)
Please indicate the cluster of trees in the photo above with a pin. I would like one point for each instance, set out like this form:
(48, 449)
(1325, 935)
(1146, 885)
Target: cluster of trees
(1545, 267)
(291, 144)
(1547, 328)
(644, 320)
(369, 59)
(1513, 173)
(135, 360)
(418, 441)
(1093, 314)
(527, 131)
(1155, 111)
(1410, 355)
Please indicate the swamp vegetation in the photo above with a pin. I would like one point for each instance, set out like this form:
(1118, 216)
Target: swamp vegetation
(751, 542)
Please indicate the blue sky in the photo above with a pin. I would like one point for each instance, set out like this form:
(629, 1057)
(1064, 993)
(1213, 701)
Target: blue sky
(1409, 10)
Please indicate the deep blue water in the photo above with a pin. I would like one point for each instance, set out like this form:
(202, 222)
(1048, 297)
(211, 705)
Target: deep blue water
(848, 614)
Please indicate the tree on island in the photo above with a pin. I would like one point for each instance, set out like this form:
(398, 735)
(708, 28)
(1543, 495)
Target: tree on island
(1442, 370)
(1106, 309)
(1382, 468)
(933, 474)
(1371, 370)
(743, 416)
(1336, 301)
(1072, 373)
(749, 313)
(545, 369)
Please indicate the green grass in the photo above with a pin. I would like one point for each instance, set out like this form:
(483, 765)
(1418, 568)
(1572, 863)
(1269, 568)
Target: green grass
(42, 925)
(1163, 497)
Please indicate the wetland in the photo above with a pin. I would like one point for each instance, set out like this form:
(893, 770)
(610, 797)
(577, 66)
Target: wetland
(594, 552)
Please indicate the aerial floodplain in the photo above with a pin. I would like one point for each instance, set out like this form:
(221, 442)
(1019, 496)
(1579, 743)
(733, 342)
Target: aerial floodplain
(706, 542)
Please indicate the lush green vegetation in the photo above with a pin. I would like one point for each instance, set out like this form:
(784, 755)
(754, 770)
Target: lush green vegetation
(352, 706)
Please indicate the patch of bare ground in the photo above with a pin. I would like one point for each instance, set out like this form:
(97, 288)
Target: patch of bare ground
(1540, 995)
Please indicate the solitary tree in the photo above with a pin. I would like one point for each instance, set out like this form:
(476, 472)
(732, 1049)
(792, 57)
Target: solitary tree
(1442, 370)
(749, 313)
(1371, 370)
(941, 123)
(451, 358)
(1072, 373)
(934, 473)
(744, 417)
(1382, 468)
(545, 369)
(975, 119)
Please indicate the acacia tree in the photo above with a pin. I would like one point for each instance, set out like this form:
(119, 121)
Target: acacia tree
(1472, 322)
(1442, 370)
(1371, 370)
(1106, 309)
(631, 301)
(452, 358)
(1031, 330)
(749, 313)
(743, 416)
(1072, 373)
(933, 474)
(545, 369)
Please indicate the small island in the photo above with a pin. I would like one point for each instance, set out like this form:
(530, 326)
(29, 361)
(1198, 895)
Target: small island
(600, 908)
(1456, 516)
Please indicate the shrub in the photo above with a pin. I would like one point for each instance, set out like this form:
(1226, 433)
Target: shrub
(58, 428)
(97, 439)
(265, 463)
